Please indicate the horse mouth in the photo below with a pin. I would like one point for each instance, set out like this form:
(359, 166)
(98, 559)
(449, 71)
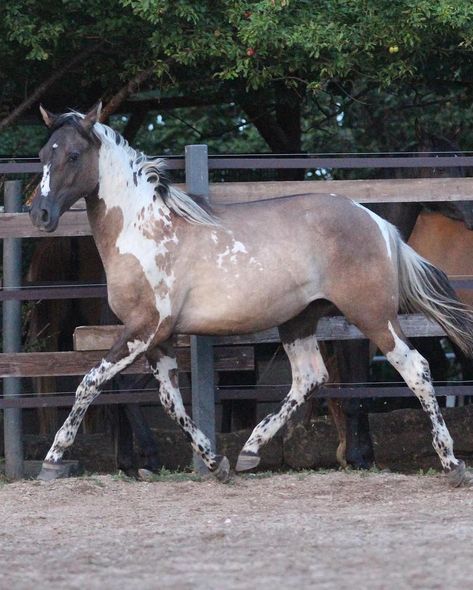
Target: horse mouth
(44, 221)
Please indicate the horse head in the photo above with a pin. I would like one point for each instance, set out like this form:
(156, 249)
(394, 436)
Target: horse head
(434, 145)
(70, 166)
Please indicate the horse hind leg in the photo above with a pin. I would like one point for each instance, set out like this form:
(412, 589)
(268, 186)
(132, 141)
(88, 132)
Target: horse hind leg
(415, 371)
(308, 372)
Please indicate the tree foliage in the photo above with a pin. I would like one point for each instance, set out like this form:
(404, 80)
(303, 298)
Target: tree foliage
(348, 74)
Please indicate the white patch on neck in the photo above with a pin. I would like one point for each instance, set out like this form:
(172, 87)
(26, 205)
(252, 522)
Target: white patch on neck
(122, 186)
(381, 223)
(45, 187)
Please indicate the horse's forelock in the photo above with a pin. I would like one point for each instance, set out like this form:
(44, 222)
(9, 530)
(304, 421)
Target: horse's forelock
(74, 120)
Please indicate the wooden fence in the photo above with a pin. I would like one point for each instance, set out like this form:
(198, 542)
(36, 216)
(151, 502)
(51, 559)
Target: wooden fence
(196, 354)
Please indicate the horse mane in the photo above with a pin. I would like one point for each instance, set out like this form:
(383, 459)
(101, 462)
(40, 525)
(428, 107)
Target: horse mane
(193, 209)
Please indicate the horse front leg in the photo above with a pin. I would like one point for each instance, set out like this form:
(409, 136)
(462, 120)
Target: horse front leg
(162, 361)
(120, 356)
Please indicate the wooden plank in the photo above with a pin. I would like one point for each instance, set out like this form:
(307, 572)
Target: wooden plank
(36, 364)
(75, 223)
(18, 225)
(267, 394)
(362, 191)
(329, 328)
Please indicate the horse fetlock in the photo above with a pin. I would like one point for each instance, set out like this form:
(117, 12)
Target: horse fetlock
(222, 469)
(458, 476)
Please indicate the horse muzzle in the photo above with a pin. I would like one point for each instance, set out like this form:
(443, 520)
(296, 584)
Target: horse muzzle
(44, 215)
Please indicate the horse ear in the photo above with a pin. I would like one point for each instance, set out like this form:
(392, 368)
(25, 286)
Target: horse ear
(48, 118)
(92, 116)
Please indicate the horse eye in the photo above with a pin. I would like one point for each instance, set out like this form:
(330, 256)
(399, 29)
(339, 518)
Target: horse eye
(73, 157)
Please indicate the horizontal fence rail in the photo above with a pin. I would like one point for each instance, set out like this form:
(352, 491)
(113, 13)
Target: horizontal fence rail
(74, 223)
(272, 162)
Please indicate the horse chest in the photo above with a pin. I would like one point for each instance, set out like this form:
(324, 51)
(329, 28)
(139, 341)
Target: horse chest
(140, 287)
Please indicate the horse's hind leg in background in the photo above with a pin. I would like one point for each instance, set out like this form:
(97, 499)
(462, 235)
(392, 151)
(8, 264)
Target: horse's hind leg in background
(162, 361)
(308, 372)
(120, 356)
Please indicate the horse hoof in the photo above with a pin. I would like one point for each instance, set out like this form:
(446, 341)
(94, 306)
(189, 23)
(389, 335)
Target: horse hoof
(222, 473)
(247, 460)
(145, 475)
(460, 477)
(52, 471)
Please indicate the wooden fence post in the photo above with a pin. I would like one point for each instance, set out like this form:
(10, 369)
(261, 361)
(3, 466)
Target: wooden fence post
(202, 363)
(13, 435)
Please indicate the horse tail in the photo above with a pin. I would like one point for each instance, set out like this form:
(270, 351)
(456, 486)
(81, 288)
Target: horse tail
(426, 289)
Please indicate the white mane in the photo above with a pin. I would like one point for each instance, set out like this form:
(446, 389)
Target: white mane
(153, 169)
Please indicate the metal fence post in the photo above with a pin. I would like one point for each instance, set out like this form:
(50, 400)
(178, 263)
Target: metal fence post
(13, 435)
(202, 364)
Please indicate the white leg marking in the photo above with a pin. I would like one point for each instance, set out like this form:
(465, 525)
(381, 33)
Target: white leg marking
(415, 371)
(165, 371)
(87, 391)
(308, 372)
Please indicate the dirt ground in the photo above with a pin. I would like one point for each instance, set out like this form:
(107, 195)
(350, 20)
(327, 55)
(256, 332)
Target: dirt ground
(311, 530)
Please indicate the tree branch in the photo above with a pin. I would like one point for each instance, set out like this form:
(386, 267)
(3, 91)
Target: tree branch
(130, 88)
(44, 86)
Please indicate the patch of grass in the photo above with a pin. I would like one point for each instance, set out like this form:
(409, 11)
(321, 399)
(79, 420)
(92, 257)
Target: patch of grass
(430, 471)
(122, 476)
(96, 481)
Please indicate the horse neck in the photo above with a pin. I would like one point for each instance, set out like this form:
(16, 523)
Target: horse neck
(124, 199)
(121, 183)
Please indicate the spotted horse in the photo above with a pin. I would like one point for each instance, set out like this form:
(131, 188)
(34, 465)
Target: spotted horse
(176, 266)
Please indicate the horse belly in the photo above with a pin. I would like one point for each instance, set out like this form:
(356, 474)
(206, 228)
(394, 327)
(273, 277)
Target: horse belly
(240, 311)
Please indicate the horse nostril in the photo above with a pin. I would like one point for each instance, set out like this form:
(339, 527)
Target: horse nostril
(44, 216)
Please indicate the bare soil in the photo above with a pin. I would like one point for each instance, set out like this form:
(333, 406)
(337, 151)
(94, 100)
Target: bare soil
(311, 530)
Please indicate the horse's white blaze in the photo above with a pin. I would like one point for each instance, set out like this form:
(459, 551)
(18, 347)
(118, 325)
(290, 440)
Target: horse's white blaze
(382, 224)
(55, 146)
(45, 180)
